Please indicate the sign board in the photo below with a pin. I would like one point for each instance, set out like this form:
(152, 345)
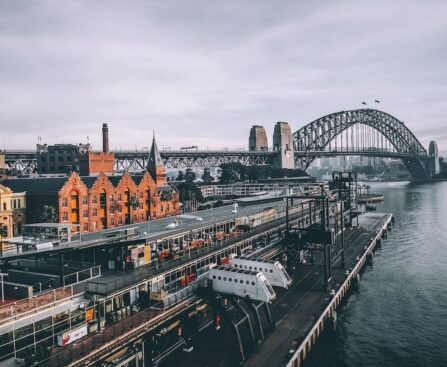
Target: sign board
(71, 336)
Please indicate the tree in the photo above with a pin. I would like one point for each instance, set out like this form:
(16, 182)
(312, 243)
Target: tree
(180, 176)
(48, 214)
(189, 191)
(3, 230)
(206, 177)
(233, 172)
(190, 175)
(3, 233)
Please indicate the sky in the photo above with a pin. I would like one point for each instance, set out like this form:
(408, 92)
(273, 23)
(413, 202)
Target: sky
(203, 72)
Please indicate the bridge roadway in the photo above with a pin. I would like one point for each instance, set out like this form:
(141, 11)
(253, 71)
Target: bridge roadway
(295, 311)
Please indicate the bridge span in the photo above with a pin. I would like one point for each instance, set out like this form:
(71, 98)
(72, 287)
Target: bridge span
(362, 132)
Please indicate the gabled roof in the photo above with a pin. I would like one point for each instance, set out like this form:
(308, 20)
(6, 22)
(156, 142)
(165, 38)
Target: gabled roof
(89, 181)
(35, 185)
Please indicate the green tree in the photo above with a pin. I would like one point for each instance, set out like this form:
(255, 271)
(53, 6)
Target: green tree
(48, 214)
(190, 175)
(180, 176)
(3, 233)
(206, 177)
(233, 172)
(189, 191)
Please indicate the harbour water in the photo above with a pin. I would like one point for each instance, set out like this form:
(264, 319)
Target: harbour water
(398, 316)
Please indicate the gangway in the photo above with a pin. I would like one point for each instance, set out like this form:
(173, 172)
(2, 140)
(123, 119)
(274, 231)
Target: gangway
(242, 283)
(274, 271)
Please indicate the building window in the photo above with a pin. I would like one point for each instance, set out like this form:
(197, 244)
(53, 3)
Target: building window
(119, 209)
(95, 212)
(112, 221)
(64, 202)
(141, 195)
(74, 207)
(94, 200)
(20, 204)
(85, 200)
(141, 205)
(120, 220)
(85, 214)
(85, 226)
(4, 206)
(119, 197)
(112, 210)
(65, 216)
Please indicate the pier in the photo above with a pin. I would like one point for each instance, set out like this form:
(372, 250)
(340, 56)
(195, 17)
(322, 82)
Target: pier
(302, 322)
(302, 312)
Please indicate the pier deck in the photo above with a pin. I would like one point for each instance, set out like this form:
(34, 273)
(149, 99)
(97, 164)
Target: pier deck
(300, 308)
(300, 311)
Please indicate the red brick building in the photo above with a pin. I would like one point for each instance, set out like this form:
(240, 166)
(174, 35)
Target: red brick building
(99, 202)
(92, 163)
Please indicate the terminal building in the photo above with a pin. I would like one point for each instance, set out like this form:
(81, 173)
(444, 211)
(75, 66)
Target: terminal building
(65, 293)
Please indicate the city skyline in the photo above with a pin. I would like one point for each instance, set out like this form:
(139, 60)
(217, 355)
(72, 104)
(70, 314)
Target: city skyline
(203, 75)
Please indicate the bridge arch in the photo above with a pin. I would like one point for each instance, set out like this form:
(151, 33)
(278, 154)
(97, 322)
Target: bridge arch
(312, 140)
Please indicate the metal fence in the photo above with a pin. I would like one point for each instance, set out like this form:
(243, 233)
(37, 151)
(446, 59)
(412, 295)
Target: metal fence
(39, 302)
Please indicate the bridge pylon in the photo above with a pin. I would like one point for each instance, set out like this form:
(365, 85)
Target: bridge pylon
(283, 145)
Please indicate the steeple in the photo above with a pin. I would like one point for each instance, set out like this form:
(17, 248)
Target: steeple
(155, 165)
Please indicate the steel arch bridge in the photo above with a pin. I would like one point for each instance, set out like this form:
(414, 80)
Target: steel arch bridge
(364, 132)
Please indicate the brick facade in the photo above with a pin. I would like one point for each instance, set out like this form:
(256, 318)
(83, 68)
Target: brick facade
(108, 202)
(92, 163)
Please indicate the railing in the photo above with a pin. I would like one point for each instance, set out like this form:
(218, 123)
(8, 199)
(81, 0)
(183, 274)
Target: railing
(38, 303)
(110, 336)
(147, 271)
(82, 275)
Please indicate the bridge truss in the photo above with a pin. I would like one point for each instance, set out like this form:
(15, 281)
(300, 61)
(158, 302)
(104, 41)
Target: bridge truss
(366, 132)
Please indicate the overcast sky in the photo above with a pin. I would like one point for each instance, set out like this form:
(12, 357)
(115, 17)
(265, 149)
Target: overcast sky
(203, 72)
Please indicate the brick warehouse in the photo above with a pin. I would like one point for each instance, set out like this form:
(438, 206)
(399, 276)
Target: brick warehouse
(99, 202)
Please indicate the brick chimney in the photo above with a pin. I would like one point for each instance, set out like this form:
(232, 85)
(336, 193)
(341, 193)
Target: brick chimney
(105, 138)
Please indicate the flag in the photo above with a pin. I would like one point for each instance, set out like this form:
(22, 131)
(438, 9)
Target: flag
(377, 101)
(364, 103)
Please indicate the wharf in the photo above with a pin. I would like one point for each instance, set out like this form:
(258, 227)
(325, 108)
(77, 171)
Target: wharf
(300, 312)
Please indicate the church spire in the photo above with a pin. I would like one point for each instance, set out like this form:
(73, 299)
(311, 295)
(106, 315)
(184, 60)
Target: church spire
(155, 164)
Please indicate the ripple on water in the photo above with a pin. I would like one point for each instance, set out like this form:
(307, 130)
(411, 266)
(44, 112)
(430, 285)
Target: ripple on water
(399, 315)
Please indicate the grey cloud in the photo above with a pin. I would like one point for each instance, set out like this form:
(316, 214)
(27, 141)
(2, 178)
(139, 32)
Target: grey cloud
(203, 71)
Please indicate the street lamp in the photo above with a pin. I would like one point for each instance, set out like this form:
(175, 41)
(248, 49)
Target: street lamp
(3, 287)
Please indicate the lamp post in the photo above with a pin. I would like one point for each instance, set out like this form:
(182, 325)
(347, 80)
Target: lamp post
(2, 275)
